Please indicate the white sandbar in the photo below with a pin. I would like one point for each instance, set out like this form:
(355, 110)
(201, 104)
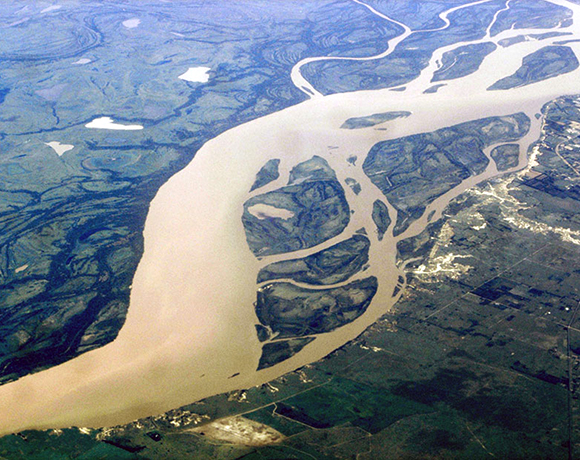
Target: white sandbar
(51, 8)
(81, 61)
(108, 123)
(197, 74)
(59, 148)
(132, 23)
(265, 211)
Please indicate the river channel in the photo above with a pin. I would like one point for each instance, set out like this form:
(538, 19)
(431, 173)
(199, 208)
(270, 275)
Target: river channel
(191, 322)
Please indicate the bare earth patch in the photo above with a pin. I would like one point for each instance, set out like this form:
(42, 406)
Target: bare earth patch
(240, 430)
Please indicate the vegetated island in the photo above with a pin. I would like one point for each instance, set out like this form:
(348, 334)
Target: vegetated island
(545, 63)
(374, 119)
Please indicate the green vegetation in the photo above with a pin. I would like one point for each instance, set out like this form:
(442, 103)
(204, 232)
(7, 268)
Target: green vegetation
(267, 174)
(329, 266)
(353, 184)
(512, 41)
(381, 217)
(316, 205)
(506, 156)
(520, 38)
(414, 53)
(345, 400)
(292, 311)
(462, 61)
(532, 15)
(480, 357)
(413, 171)
(276, 352)
(434, 88)
(75, 220)
(374, 119)
(545, 63)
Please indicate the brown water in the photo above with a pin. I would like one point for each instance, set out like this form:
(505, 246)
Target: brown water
(191, 320)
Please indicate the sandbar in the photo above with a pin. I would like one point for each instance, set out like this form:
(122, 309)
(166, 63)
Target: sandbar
(108, 123)
(59, 148)
(132, 23)
(264, 211)
(196, 74)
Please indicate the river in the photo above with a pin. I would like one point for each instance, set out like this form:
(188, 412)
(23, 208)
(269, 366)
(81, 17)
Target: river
(191, 320)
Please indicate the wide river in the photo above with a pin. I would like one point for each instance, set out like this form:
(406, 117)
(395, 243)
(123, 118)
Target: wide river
(191, 320)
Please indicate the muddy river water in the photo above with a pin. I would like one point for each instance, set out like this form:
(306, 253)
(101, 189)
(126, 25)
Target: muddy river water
(191, 322)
